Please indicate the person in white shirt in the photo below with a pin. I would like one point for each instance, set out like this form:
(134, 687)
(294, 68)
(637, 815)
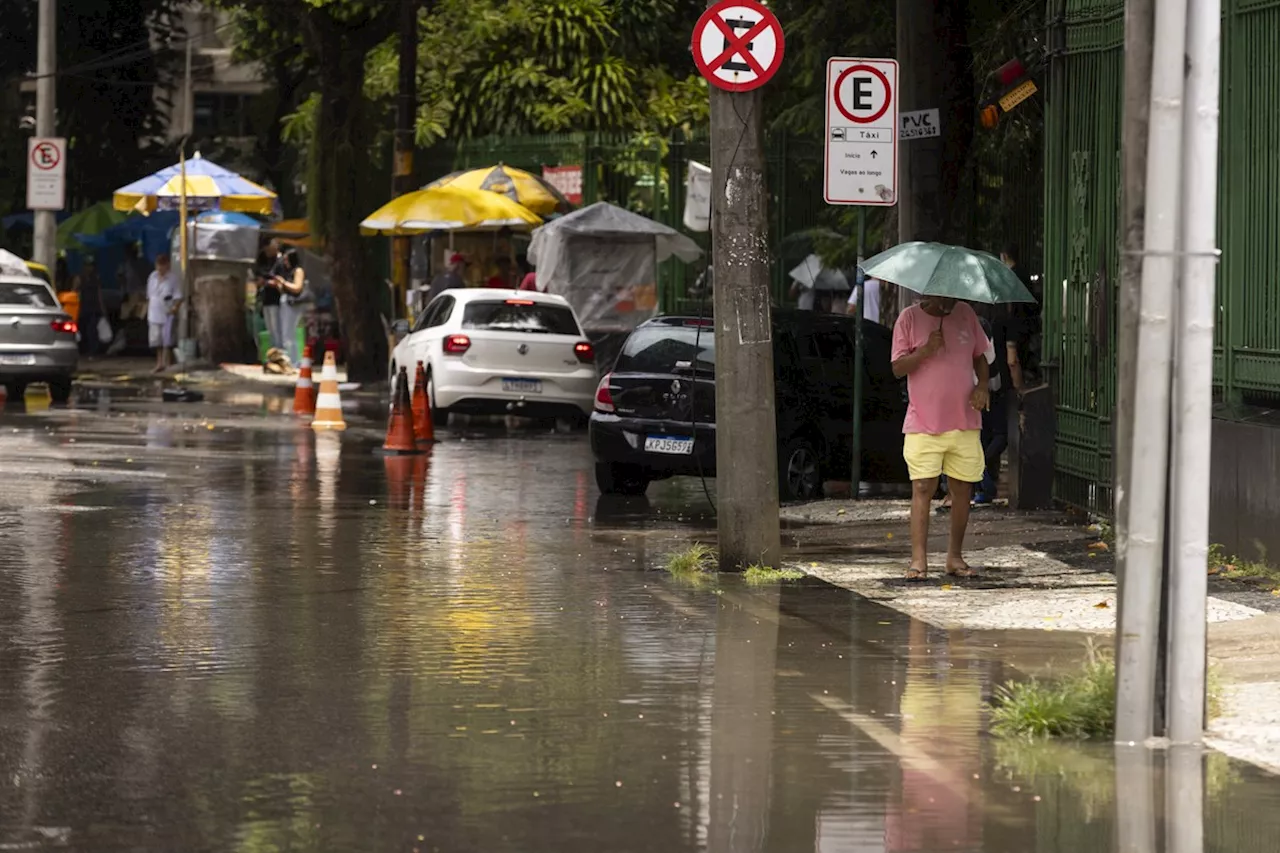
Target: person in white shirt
(872, 289)
(164, 295)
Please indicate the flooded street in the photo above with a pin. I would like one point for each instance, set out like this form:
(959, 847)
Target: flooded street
(220, 631)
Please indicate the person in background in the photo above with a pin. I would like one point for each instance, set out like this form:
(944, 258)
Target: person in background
(806, 297)
(872, 289)
(501, 279)
(450, 279)
(1022, 327)
(995, 421)
(268, 293)
(290, 280)
(939, 345)
(164, 296)
(530, 281)
(92, 307)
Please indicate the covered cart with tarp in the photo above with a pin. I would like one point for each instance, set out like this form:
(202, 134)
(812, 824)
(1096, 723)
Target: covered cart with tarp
(604, 260)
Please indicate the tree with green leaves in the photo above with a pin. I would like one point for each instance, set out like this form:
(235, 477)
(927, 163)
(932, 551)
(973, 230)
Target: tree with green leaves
(109, 68)
(338, 35)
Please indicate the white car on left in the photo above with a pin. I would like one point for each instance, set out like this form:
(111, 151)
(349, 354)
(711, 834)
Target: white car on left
(501, 352)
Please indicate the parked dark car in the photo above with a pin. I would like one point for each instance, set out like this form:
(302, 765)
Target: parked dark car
(655, 412)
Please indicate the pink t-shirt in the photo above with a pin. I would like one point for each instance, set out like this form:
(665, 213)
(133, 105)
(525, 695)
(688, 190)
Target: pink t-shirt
(938, 391)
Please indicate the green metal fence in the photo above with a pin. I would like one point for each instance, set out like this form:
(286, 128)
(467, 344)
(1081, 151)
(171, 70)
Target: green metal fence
(1082, 186)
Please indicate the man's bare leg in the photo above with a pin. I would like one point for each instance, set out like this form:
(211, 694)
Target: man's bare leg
(922, 492)
(961, 493)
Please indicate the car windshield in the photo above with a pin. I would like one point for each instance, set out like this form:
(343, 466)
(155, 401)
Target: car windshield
(520, 315)
(669, 349)
(33, 295)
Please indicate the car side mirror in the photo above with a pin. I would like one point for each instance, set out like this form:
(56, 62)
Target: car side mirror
(399, 329)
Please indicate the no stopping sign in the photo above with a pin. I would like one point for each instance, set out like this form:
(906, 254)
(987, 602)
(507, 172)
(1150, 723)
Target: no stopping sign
(738, 45)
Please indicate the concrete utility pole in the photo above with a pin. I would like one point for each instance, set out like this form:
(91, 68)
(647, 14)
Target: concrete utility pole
(402, 173)
(1139, 24)
(746, 429)
(1193, 389)
(46, 222)
(1142, 586)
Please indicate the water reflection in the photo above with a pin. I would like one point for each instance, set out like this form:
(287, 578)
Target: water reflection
(306, 646)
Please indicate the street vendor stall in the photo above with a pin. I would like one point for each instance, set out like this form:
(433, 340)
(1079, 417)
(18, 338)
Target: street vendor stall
(604, 260)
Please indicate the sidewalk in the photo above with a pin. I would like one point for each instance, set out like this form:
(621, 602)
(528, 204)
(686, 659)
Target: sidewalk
(1044, 572)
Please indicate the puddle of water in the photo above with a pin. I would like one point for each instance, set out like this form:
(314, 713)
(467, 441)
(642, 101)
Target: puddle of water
(305, 645)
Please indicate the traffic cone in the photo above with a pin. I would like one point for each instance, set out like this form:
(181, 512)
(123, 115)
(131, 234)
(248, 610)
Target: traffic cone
(423, 429)
(304, 393)
(400, 428)
(328, 403)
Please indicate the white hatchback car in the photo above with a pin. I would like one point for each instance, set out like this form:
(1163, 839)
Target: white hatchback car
(501, 352)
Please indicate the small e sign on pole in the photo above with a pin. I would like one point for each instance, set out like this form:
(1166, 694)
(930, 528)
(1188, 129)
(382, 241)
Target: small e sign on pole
(738, 45)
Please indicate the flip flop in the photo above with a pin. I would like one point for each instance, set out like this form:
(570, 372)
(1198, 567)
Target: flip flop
(966, 572)
(917, 574)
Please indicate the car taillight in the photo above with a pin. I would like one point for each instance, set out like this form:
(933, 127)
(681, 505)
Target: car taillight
(604, 399)
(66, 327)
(585, 352)
(457, 344)
(519, 301)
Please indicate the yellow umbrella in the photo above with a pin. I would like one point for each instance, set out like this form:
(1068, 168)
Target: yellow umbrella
(447, 209)
(518, 185)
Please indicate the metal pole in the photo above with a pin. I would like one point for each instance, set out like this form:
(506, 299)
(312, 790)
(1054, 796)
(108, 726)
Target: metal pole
(188, 125)
(1142, 585)
(746, 427)
(46, 221)
(1193, 390)
(860, 311)
(402, 177)
(1139, 21)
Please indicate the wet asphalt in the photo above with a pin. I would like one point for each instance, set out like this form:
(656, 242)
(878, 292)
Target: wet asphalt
(220, 631)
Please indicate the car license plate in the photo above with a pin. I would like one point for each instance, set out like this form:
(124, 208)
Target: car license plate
(669, 444)
(17, 359)
(522, 386)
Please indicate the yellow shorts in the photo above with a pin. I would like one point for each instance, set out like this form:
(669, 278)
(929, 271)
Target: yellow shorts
(958, 454)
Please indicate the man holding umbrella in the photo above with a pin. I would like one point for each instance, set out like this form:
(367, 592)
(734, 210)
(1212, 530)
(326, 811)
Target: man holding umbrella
(940, 347)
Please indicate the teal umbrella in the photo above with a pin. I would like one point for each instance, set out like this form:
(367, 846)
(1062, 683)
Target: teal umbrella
(935, 269)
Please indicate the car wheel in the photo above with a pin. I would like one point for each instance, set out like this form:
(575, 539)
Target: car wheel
(15, 390)
(614, 479)
(799, 471)
(60, 389)
(439, 416)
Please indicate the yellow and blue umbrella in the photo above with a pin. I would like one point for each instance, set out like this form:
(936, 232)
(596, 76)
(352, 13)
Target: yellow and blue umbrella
(208, 185)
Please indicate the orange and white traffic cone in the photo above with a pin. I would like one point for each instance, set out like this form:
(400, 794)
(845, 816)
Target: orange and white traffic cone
(328, 403)
(400, 428)
(304, 393)
(423, 429)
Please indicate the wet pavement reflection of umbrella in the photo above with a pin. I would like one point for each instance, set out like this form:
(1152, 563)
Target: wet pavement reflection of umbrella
(936, 269)
(524, 188)
(811, 273)
(448, 208)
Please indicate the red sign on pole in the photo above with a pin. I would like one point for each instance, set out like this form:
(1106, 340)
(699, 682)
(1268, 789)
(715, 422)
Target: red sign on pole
(46, 173)
(738, 45)
(566, 179)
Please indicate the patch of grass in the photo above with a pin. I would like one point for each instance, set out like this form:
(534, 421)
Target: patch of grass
(761, 575)
(694, 560)
(1077, 705)
(1235, 567)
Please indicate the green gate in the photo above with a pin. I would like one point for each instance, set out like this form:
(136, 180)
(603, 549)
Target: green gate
(1081, 242)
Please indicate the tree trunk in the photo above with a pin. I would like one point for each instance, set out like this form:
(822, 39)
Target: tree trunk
(936, 70)
(341, 150)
